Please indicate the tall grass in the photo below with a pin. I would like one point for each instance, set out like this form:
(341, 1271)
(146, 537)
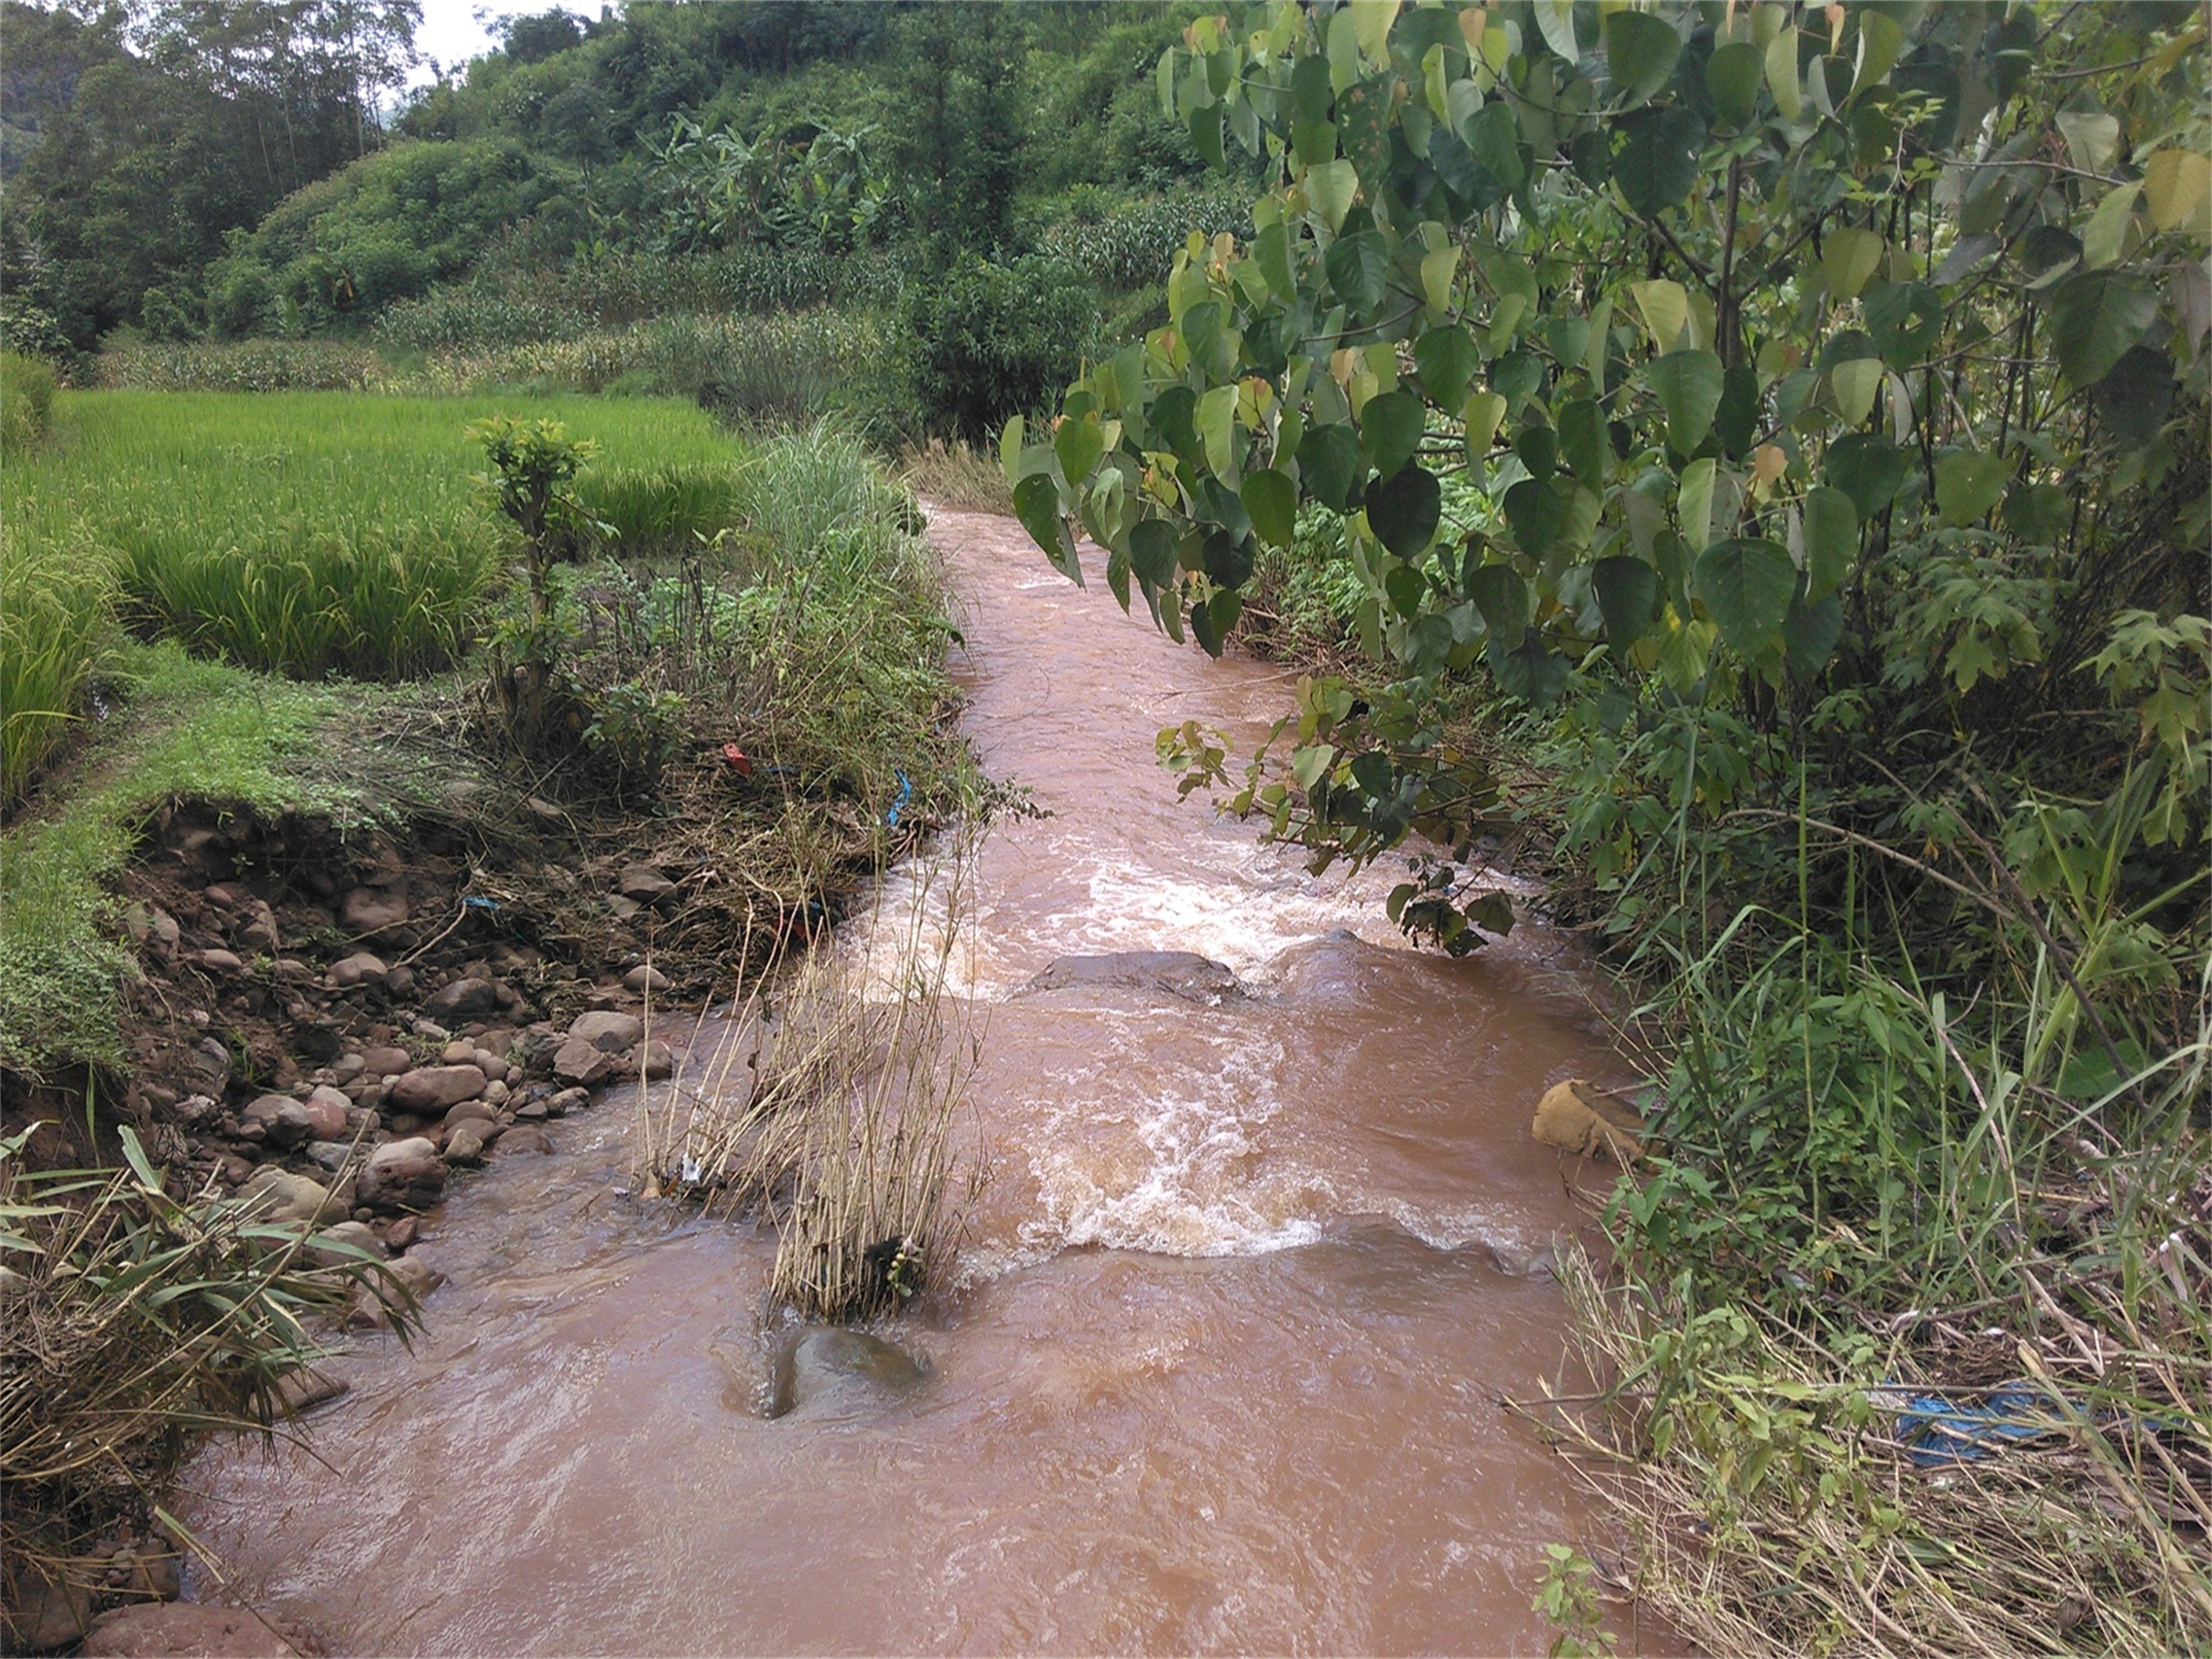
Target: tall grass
(316, 533)
(56, 612)
(781, 368)
(959, 475)
(313, 364)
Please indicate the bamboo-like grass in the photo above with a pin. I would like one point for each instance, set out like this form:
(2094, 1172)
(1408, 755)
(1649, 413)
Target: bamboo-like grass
(135, 1324)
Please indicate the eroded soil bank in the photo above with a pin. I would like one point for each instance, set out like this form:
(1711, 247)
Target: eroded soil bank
(1253, 1267)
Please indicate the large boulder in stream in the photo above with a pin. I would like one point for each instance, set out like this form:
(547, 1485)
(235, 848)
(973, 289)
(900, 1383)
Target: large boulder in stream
(840, 1367)
(1183, 973)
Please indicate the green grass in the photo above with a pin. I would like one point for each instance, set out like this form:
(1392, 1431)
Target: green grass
(312, 533)
(188, 728)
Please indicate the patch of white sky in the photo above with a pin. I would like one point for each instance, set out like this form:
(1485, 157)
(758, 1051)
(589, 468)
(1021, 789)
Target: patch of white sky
(454, 31)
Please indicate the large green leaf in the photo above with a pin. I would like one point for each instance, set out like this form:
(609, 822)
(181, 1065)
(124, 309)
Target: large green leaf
(1227, 557)
(1906, 320)
(1658, 162)
(2097, 317)
(1746, 587)
(1152, 552)
(1494, 137)
(1272, 248)
(1334, 465)
(1688, 384)
(1216, 422)
(1331, 188)
(1848, 259)
(1627, 593)
(1501, 594)
(1968, 483)
(1448, 359)
(1428, 645)
(1272, 501)
(1036, 504)
(1529, 670)
(2134, 400)
(1210, 622)
(1640, 50)
(1390, 426)
(1832, 540)
(1404, 510)
(1869, 468)
(1310, 94)
(1733, 74)
(1810, 633)
(1538, 510)
(1172, 416)
(1079, 443)
(1357, 267)
(1583, 440)
(1205, 135)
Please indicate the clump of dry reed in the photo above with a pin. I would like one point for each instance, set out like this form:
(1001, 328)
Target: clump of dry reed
(832, 1111)
(957, 475)
(134, 1325)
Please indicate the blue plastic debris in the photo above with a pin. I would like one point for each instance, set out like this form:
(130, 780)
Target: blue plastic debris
(476, 904)
(1935, 1429)
(905, 795)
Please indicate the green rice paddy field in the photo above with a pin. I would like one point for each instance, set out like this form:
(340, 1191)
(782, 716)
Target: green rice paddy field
(302, 534)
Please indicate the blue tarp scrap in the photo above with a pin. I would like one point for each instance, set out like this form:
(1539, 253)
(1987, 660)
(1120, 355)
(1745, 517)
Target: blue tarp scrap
(905, 795)
(1935, 1428)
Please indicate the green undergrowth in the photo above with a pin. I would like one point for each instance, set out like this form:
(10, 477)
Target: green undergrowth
(181, 727)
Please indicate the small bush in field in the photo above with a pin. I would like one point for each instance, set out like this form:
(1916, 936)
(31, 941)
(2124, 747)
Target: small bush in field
(992, 341)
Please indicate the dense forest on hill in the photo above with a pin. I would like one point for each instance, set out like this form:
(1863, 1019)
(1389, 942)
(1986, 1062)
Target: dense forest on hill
(170, 180)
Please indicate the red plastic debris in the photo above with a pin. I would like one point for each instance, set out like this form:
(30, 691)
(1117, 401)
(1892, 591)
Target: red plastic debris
(738, 762)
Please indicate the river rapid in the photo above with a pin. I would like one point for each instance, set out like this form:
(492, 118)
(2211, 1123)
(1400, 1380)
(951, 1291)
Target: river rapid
(1223, 1367)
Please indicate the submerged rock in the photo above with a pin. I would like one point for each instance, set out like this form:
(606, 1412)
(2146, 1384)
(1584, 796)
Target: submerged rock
(147, 1629)
(1580, 1118)
(829, 1363)
(1183, 974)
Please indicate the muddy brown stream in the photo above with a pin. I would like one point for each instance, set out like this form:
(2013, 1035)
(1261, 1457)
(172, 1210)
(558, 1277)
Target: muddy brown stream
(1223, 1367)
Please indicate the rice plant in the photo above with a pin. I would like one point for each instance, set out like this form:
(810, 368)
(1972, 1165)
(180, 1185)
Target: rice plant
(57, 610)
(315, 533)
(27, 399)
